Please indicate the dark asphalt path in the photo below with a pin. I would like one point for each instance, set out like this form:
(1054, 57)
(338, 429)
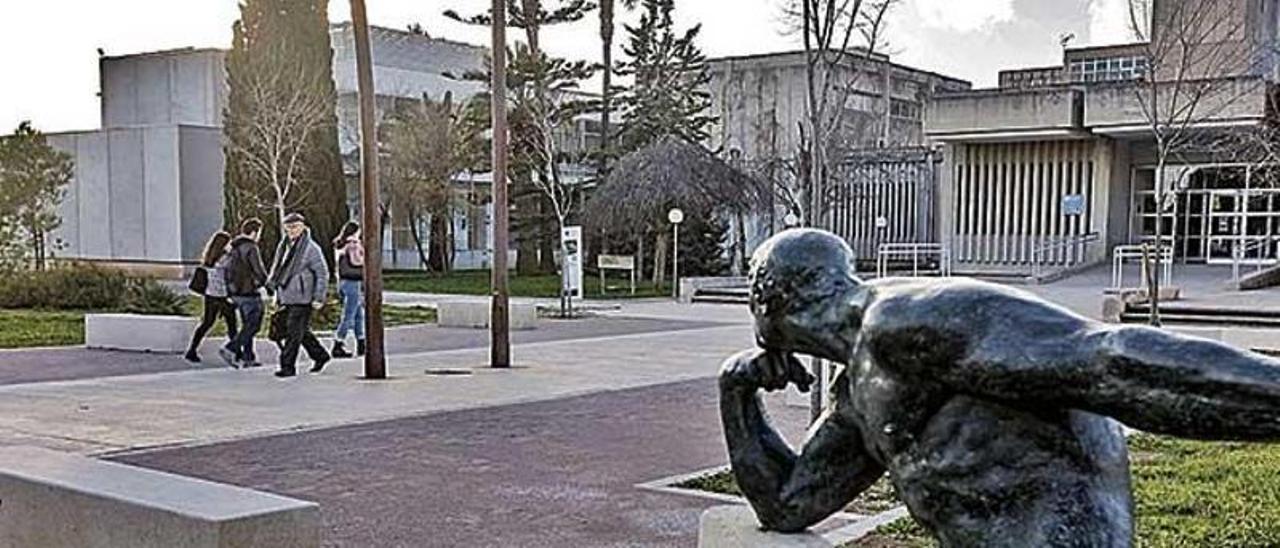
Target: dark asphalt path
(59, 364)
(549, 474)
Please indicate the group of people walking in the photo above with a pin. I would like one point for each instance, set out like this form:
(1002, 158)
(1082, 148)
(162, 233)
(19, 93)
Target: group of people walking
(232, 279)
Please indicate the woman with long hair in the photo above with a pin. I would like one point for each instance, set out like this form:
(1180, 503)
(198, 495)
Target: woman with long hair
(215, 266)
(350, 261)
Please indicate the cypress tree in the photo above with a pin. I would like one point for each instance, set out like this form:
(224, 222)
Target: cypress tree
(289, 38)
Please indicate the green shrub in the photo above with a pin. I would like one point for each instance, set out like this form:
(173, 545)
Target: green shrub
(147, 296)
(80, 287)
(87, 287)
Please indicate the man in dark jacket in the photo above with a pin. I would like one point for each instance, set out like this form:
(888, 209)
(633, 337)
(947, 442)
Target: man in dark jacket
(248, 276)
(300, 279)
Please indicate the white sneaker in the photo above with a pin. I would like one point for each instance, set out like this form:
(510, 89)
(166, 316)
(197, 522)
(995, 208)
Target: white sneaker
(230, 357)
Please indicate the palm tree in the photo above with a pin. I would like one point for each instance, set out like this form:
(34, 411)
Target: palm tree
(606, 39)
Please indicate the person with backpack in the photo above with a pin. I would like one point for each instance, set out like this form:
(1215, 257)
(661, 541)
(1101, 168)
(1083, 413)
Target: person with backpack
(300, 280)
(210, 282)
(247, 277)
(349, 253)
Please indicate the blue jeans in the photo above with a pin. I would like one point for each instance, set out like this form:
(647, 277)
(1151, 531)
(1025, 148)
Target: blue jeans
(251, 315)
(352, 309)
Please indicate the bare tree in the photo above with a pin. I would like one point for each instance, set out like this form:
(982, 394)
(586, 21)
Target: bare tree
(836, 34)
(1198, 64)
(274, 137)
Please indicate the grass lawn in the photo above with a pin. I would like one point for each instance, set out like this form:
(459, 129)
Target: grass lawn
(36, 328)
(1186, 493)
(39, 328)
(544, 286)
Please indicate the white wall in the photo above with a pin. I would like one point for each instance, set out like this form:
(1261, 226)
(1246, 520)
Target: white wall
(183, 87)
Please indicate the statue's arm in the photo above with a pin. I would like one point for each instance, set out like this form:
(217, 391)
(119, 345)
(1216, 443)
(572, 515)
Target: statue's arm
(1149, 379)
(789, 492)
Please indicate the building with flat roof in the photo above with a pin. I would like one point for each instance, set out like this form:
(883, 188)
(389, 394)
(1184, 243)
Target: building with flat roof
(761, 103)
(1057, 167)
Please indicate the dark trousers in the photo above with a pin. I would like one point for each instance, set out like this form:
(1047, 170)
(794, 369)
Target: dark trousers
(299, 336)
(214, 308)
(251, 312)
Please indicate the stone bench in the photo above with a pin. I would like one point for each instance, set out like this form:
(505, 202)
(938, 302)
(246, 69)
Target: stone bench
(163, 334)
(475, 314)
(52, 500)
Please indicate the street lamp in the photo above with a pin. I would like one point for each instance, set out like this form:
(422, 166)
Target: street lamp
(676, 216)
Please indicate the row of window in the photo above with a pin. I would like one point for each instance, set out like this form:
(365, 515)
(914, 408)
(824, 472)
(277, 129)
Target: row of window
(1107, 69)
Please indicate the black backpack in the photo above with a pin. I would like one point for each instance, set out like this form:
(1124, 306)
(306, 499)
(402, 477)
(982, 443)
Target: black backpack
(241, 273)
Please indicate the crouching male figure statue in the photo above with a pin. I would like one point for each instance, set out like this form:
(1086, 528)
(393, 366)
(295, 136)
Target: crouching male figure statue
(987, 406)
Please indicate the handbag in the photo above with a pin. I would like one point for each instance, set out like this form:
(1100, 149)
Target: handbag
(278, 327)
(199, 281)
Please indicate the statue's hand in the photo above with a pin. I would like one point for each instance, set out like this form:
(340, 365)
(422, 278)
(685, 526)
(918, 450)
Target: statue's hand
(757, 368)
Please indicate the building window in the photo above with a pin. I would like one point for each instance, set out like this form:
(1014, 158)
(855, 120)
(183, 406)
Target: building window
(904, 109)
(1107, 69)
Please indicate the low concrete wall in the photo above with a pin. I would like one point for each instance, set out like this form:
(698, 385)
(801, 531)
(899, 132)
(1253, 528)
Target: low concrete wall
(475, 314)
(53, 500)
(736, 527)
(163, 334)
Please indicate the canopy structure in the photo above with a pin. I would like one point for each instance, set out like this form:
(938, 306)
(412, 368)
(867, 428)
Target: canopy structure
(671, 172)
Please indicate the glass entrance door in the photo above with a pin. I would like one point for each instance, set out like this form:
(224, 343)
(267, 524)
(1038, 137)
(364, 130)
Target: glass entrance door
(1246, 223)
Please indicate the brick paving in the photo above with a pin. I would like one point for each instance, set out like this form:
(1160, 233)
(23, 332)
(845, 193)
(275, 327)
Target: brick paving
(555, 474)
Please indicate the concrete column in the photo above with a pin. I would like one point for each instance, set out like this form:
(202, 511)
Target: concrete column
(1101, 203)
(944, 221)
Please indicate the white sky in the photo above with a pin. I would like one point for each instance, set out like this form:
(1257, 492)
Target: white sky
(48, 58)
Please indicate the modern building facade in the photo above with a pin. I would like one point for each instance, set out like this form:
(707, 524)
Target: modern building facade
(887, 174)
(1058, 166)
(147, 188)
(148, 185)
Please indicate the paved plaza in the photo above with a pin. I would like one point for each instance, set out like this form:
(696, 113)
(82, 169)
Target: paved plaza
(447, 452)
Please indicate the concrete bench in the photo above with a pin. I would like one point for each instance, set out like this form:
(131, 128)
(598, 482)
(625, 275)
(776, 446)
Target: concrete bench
(165, 334)
(475, 314)
(52, 500)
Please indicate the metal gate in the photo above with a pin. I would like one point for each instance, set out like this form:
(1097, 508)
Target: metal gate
(885, 196)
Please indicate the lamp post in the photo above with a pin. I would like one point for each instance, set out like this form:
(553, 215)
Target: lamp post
(676, 216)
(499, 324)
(375, 362)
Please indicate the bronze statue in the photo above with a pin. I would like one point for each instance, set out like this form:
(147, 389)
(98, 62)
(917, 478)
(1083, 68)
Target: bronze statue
(987, 406)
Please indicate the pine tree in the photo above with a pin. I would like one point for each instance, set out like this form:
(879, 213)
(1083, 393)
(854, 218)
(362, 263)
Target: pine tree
(281, 123)
(669, 94)
(33, 181)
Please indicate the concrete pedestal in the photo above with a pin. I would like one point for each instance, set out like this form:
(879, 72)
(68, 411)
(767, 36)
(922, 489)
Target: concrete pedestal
(737, 527)
(474, 314)
(56, 500)
(164, 334)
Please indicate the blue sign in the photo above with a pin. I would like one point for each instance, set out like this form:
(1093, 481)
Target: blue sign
(1073, 205)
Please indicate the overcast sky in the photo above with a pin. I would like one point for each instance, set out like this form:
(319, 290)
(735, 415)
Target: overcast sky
(48, 58)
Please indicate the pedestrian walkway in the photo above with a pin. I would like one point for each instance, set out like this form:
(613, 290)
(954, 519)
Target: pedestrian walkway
(192, 407)
(554, 473)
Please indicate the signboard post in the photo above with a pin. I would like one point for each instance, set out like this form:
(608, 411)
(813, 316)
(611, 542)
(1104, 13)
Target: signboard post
(571, 250)
(616, 262)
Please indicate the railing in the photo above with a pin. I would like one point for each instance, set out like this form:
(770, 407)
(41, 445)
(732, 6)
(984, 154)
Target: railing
(1241, 248)
(1123, 254)
(1078, 243)
(918, 253)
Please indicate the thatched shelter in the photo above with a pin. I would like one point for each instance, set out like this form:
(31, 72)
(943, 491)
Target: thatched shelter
(671, 172)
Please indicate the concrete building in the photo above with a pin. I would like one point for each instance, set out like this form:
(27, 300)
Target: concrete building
(148, 185)
(147, 189)
(886, 184)
(1054, 169)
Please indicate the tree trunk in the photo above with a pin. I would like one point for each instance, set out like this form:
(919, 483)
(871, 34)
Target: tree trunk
(740, 244)
(660, 259)
(606, 95)
(439, 243)
(640, 256)
(417, 238)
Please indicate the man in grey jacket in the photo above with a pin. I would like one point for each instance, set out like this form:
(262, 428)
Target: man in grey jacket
(300, 280)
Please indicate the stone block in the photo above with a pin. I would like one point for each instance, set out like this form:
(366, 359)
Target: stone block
(164, 334)
(737, 527)
(475, 314)
(53, 500)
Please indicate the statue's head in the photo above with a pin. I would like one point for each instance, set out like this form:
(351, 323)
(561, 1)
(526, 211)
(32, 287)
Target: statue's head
(804, 294)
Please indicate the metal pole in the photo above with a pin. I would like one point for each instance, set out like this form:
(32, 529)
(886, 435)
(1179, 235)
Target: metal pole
(375, 362)
(499, 325)
(675, 261)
